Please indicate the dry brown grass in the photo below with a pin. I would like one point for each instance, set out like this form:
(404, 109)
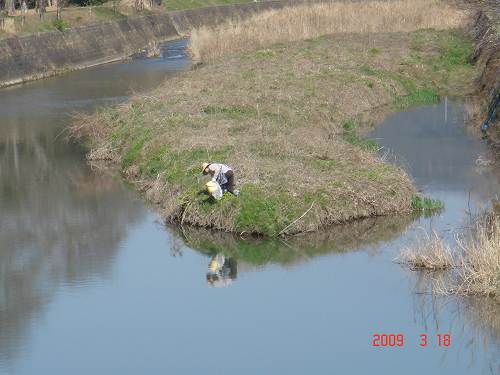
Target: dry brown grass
(478, 264)
(431, 254)
(277, 120)
(475, 263)
(310, 21)
(285, 119)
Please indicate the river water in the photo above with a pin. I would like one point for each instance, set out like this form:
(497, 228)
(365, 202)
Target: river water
(91, 282)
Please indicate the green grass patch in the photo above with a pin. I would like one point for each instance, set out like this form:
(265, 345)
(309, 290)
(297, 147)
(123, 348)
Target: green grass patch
(137, 137)
(423, 74)
(366, 144)
(108, 14)
(316, 40)
(384, 75)
(365, 69)
(181, 167)
(191, 4)
(132, 153)
(262, 212)
(454, 47)
(248, 74)
(267, 150)
(234, 112)
(61, 25)
(255, 210)
(351, 136)
(417, 97)
(265, 53)
(157, 163)
(419, 203)
(234, 130)
(325, 165)
(369, 84)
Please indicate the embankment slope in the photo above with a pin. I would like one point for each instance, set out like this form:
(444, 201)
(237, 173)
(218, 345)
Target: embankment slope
(45, 54)
(37, 56)
(485, 31)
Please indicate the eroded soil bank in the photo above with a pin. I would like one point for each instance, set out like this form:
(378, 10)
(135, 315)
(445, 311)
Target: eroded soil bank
(485, 31)
(288, 119)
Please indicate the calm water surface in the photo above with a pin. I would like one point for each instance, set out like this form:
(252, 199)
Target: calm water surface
(90, 282)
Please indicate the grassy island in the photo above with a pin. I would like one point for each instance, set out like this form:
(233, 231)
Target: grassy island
(290, 117)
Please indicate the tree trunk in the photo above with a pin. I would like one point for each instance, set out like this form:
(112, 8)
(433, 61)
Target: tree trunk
(24, 11)
(41, 8)
(58, 5)
(10, 6)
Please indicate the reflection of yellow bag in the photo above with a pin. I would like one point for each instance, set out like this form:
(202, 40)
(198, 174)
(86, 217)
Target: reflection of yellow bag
(213, 265)
(216, 263)
(214, 189)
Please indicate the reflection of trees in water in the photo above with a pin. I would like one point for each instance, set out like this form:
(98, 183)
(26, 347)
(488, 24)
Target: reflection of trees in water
(293, 250)
(59, 224)
(472, 322)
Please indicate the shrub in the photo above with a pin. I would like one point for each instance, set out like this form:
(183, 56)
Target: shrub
(61, 25)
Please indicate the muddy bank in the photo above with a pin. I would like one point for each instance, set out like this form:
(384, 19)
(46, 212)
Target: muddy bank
(485, 31)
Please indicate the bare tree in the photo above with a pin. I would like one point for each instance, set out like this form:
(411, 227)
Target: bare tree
(59, 4)
(41, 5)
(24, 11)
(10, 7)
(139, 5)
(115, 5)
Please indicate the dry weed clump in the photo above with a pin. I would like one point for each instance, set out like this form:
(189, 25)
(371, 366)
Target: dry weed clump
(431, 254)
(478, 264)
(310, 21)
(475, 263)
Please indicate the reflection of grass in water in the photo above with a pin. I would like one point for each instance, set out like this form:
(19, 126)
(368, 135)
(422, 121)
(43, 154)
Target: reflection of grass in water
(475, 319)
(338, 239)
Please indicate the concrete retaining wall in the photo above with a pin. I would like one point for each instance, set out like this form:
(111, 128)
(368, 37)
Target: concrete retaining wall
(45, 54)
(36, 56)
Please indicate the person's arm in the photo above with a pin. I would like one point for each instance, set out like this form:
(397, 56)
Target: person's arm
(215, 168)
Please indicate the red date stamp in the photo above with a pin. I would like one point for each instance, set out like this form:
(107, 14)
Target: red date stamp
(398, 340)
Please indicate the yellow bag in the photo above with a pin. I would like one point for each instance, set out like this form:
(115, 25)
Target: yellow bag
(214, 189)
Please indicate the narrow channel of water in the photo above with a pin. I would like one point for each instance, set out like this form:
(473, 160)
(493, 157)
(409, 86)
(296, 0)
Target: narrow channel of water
(90, 282)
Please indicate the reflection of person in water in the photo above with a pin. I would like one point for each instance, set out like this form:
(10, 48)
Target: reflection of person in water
(221, 271)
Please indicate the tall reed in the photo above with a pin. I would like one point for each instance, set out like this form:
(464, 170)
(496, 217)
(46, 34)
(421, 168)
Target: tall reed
(474, 263)
(309, 21)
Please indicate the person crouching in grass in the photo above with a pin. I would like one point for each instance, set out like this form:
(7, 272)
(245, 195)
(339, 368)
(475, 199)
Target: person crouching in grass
(222, 174)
